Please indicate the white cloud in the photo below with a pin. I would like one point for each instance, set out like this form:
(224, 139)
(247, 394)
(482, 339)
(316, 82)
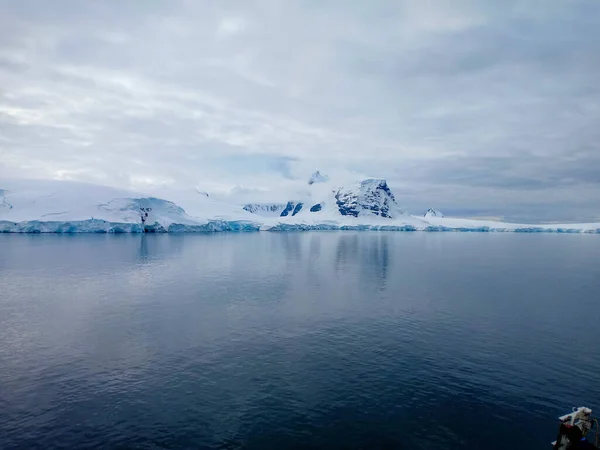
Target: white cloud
(472, 98)
(229, 26)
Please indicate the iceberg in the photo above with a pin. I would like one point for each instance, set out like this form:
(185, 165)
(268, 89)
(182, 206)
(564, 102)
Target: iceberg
(34, 206)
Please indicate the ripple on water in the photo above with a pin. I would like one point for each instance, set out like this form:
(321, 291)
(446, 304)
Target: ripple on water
(323, 340)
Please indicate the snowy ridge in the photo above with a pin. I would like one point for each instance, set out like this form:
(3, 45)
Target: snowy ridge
(265, 209)
(68, 207)
(318, 177)
(275, 209)
(3, 202)
(372, 197)
(433, 213)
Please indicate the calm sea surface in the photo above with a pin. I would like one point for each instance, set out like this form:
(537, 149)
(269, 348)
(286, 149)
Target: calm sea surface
(296, 340)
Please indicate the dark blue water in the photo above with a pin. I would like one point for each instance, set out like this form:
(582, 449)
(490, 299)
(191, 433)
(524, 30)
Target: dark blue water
(296, 340)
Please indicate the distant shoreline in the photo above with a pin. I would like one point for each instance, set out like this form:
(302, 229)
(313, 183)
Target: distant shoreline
(99, 226)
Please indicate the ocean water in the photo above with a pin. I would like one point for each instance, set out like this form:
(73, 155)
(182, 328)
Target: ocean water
(336, 340)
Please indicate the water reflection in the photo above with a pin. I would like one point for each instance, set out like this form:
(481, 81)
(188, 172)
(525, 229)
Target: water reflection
(369, 254)
(292, 245)
(153, 246)
(315, 246)
(377, 257)
(346, 251)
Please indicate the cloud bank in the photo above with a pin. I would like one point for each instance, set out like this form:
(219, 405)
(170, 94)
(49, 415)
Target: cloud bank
(475, 107)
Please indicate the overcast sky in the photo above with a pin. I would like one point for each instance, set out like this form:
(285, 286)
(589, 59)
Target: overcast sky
(478, 108)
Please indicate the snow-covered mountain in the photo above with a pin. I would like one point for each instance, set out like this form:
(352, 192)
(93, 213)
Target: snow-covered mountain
(33, 206)
(67, 206)
(317, 177)
(265, 209)
(3, 202)
(433, 213)
(370, 197)
(274, 209)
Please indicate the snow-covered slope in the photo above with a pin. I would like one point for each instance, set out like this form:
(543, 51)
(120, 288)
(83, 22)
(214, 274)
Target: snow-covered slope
(64, 206)
(265, 209)
(371, 197)
(3, 202)
(200, 205)
(433, 213)
(67, 207)
(457, 224)
(318, 177)
(290, 208)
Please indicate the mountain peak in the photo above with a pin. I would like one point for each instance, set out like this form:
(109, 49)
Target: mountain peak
(373, 196)
(433, 213)
(317, 177)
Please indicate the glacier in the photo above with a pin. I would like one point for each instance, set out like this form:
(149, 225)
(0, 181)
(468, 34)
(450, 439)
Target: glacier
(48, 206)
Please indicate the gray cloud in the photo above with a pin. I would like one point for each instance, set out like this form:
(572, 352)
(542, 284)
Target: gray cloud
(477, 107)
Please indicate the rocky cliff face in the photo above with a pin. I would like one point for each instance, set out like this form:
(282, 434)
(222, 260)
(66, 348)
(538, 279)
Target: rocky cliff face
(372, 196)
